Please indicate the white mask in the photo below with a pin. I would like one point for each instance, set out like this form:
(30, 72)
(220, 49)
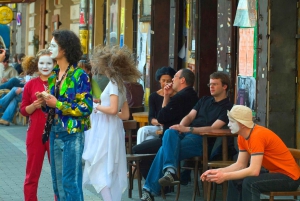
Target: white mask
(45, 65)
(233, 126)
(53, 49)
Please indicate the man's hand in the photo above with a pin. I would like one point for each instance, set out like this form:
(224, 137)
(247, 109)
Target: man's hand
(51, 101)
(180, 128)
(214, 175)
(168, 89)
(19, 90)
(2, 54)
(3, 80)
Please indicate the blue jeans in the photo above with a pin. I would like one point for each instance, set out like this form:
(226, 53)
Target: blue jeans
(65, 160)
(249, 189)
(9, 104)
(12, 82)
(175, 147)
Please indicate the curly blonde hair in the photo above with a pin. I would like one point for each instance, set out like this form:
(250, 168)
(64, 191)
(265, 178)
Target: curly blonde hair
(116, 63)
(30, 63)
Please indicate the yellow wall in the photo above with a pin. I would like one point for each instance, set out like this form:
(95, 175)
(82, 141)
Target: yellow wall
(128, 35)
(98, 22)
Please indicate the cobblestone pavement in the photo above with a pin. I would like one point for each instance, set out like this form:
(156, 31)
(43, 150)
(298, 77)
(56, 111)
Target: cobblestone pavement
(12, 172)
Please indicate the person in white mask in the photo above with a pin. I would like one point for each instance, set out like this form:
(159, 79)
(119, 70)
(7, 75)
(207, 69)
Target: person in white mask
(31, 107)
(69, 103)
(263, 148)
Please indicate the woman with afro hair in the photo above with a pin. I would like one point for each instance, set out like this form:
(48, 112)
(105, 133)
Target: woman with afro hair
(163, 75)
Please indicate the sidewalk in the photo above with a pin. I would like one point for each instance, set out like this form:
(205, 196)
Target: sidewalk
(12, 172)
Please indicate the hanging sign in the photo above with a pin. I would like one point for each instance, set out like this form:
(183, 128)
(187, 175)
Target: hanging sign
(6, 15)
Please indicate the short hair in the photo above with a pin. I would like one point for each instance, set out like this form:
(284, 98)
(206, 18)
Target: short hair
(16, 57)
(223, 77)
(70, 43)
(165, 70)
(21, 56)
(6, 58)
(188, 75)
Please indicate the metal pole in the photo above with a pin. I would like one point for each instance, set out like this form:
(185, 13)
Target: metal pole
(83, 28)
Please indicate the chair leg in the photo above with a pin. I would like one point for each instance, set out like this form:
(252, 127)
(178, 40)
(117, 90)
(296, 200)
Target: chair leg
(208, 191)
(139, 177)
(224, 189)
(195, 180)
(178, 192)
(130, 178)
(214, 194)
(163, 193)
(178, 186)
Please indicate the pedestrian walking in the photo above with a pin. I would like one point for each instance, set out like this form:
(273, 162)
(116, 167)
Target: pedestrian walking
(104, 149)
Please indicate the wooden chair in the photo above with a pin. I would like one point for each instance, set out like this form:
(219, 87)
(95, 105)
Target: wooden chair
(296, 155)
(130, 126)
(217, 164)
(196, 167)
(133, 160)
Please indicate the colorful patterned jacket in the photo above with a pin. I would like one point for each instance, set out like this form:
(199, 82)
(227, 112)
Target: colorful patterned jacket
(75, 102)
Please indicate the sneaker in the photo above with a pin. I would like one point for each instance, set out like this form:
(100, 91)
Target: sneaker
(168, 179)
(3, 122)
(146, 196)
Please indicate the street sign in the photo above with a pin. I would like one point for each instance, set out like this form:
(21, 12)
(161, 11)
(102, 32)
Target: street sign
(6, 15)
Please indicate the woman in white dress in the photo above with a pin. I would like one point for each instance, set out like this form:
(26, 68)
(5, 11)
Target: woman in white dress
(104, 149)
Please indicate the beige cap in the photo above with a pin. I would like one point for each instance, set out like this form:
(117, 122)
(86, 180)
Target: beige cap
(241, 114)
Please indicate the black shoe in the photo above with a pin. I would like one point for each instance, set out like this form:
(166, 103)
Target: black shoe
(168, 179)
(146, 196)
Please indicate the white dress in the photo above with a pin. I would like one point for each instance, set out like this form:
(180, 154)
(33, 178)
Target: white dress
(104, 148)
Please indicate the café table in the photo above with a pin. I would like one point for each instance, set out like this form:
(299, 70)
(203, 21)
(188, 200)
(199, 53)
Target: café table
(224, 133)
(141, 118)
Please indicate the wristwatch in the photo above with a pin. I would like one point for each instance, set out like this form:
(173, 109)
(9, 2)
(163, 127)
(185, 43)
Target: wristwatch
(191, 129)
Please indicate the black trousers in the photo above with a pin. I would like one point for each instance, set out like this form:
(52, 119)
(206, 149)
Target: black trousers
(147, 147)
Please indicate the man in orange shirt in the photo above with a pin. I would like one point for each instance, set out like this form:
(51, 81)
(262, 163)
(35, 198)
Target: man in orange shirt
(264, 149)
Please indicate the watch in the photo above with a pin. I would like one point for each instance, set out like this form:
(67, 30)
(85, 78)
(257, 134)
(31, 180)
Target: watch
(191, 129)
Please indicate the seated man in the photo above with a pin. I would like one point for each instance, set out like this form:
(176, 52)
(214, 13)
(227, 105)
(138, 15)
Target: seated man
(7, 71)
(264, 149)
(172, 111)
(181, 141)
(18, 66)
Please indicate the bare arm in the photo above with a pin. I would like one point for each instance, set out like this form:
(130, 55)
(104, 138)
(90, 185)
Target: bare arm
(184, 129)
(187, 120)
(124, 114)
(112, 109)
(237, 170)
(154, 122)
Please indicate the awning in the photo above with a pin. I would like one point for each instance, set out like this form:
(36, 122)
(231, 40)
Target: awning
(17, 1)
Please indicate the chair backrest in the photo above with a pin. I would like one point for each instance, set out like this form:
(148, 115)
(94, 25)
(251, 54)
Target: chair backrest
(296, 155)
(130, 125)
(135, 109)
